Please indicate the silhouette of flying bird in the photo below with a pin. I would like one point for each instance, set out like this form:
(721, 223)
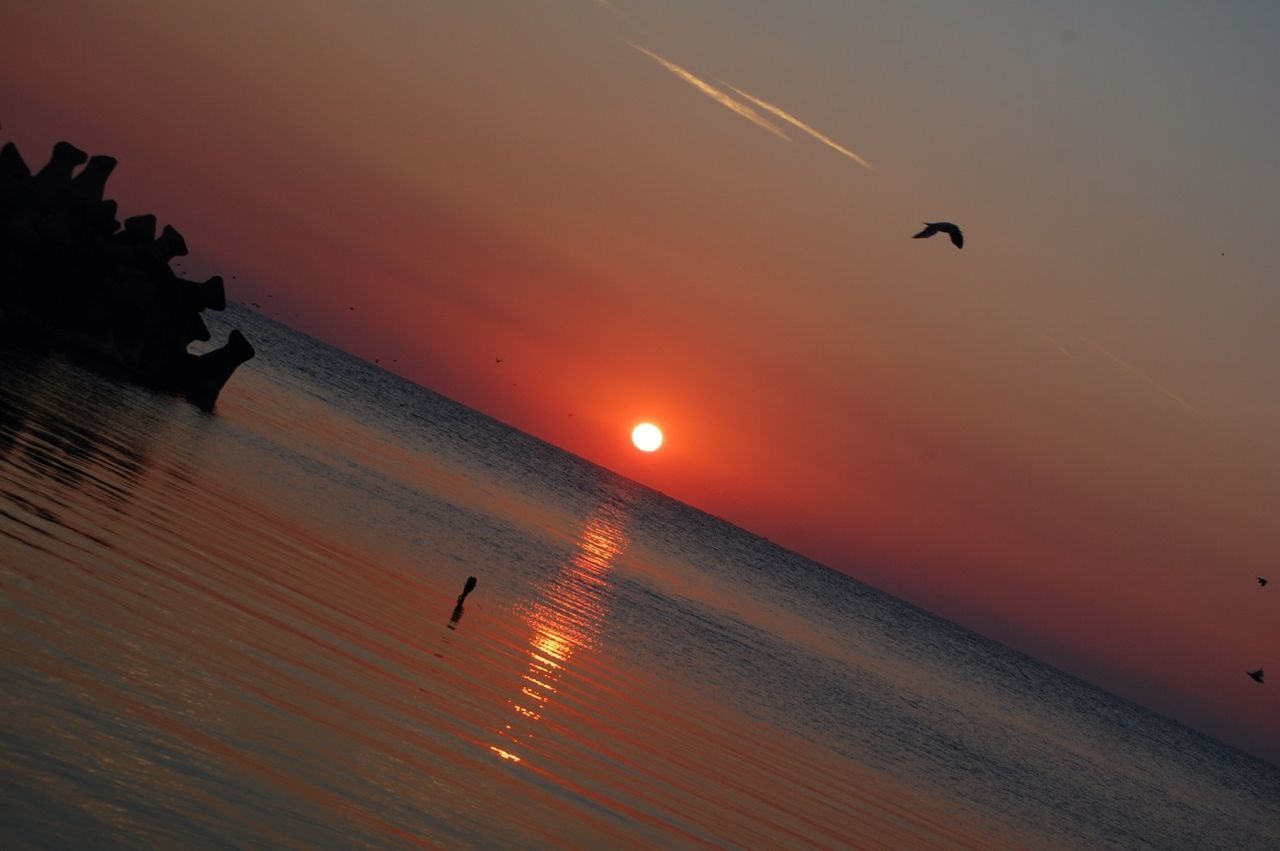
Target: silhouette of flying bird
(930, 228)
(1262, 582)
(1257, 675)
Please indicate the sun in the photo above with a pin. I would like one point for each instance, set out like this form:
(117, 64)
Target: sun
(647, 437)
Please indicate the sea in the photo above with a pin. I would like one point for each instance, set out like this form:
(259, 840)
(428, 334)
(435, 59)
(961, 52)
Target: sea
(242, 630)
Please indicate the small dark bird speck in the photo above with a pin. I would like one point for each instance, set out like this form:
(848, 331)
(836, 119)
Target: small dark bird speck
(930, 228)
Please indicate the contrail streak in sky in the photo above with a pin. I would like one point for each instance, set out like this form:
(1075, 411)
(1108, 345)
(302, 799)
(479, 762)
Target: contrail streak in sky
(1128, 367)
(1061, 348)
(608, 4)
(791, 119)
(715, 94)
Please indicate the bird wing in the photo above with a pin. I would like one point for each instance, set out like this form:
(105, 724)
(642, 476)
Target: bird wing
(952, 231)
(929, 230)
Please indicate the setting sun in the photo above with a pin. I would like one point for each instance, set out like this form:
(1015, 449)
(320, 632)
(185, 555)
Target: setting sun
(647, 437)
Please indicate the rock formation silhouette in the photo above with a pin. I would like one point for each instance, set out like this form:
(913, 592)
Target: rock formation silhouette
(73, 278)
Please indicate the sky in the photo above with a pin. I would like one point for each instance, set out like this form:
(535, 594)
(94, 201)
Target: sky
(700, 214)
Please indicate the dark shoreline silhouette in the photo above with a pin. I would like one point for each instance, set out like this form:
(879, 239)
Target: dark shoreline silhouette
(75, 280)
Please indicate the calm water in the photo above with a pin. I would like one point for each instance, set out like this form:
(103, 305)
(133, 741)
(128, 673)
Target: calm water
(236, 631)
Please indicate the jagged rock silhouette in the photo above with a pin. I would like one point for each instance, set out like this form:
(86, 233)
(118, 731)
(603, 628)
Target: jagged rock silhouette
(73, 277)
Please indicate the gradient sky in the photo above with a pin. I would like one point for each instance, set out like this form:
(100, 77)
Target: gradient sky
(1062, 436)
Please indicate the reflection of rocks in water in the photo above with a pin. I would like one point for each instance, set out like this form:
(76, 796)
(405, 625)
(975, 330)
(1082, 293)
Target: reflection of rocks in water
(62, 425)
(565, 617)
(16, 369)
(72, 277)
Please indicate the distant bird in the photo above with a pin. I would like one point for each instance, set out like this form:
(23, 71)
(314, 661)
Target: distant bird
(497, 360)
(1262, 582)
(1257, 675)
(930, 228)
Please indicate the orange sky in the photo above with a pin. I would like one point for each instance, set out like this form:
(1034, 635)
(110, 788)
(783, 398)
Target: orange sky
(1059, 436)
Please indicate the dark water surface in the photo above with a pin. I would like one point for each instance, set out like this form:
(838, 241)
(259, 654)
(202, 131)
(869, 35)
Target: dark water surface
(235, 630)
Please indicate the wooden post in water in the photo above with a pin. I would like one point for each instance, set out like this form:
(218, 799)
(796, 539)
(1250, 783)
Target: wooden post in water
(466, 589)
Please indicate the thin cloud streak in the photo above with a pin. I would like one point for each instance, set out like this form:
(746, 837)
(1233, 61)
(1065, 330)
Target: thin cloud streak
(1051, 341)
(608, 4)
(1125, 365)
(715, 94)
(791, 119)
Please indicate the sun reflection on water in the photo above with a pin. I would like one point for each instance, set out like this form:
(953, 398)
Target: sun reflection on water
(565, 617)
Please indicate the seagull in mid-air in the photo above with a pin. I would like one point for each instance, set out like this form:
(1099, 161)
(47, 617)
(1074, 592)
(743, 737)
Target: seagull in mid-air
(930, 228)
(1257, 675)
(1262, 582)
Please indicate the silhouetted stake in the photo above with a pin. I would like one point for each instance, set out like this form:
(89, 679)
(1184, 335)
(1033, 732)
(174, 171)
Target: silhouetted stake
(457, 610)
